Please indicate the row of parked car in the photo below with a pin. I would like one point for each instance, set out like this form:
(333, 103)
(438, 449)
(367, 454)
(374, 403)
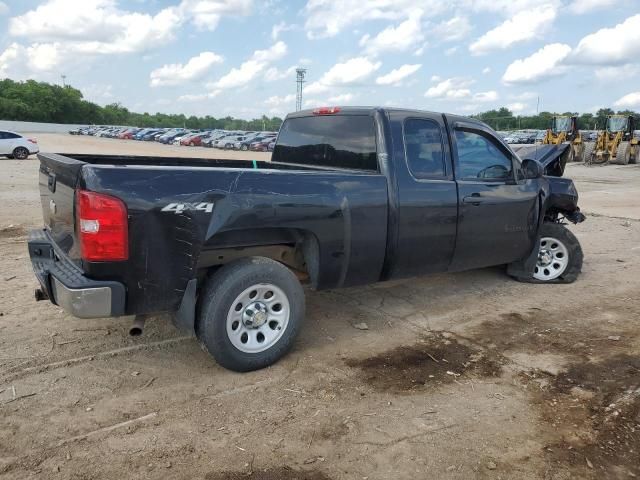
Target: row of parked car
(536, 136)
(223, 139)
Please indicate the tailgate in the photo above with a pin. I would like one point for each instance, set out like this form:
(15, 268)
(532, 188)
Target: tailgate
(58, 177)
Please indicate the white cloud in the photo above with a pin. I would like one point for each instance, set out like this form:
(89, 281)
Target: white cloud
(451, 88)
(523, 26)
(611, 46)
(394, 77)
(206, 14)
(4, 9)
(352, 71)
(199, 97)
(505, 7)
(20, 61)
(278, 28)
(273, 74)
(276, 101)
(490, 96)
(523, 96)
(517, 107)
(399, 38)
(72, 31)
(248, 70)
(327, 18)
(177, 73)
(545, 63)
(452, 30)
(612, 74)
(96, 26)
(343, 99)
(585, 6)
(486, 70)
(450, 51)
(631, 100)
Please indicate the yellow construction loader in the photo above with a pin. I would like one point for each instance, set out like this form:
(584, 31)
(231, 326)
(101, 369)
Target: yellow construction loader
(615, 144)
(564, 129)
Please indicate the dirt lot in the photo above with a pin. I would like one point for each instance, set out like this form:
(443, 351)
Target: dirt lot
(459, 376)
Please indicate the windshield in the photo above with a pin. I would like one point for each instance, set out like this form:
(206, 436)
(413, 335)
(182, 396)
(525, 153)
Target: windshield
(617, 124)
(562, 124)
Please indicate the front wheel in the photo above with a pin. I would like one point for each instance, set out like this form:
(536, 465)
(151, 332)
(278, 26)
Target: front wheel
(558, 259)
(250, 313)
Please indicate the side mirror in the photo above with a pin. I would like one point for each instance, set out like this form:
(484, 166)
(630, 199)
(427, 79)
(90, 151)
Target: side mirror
(532, 169)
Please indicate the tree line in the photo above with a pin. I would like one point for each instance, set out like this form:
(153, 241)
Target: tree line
(32, 101)
(504, 119)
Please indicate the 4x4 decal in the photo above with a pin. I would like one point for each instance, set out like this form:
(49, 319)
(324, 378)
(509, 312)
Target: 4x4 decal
(178, 208)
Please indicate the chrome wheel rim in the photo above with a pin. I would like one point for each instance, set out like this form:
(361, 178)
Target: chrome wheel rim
(258, 318)
(553, 259)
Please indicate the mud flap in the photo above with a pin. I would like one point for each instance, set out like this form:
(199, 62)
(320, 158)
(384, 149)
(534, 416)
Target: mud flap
(185, 318)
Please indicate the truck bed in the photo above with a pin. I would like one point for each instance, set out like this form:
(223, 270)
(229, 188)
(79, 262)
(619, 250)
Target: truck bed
(242, 204)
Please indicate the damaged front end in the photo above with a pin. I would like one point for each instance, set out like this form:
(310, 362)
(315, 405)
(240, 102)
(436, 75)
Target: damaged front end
(562, 201)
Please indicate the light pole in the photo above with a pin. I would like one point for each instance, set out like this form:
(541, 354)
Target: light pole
(64, 77)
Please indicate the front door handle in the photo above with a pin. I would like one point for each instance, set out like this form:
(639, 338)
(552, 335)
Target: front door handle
(473, 199)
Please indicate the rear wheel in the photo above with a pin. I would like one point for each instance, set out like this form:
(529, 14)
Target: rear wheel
(578, 152)
(244, 148)
(623, 153)
(587, 153)
(559, 256)
(250, 313)
(20, 153)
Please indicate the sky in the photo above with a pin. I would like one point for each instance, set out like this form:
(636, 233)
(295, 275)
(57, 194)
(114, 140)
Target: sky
(238, 57)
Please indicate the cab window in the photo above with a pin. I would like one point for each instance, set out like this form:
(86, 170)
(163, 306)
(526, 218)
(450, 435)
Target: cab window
(423, 148)
(481, 159)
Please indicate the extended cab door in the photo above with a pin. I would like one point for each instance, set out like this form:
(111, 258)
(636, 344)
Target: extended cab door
(426, 212)
(498, 209)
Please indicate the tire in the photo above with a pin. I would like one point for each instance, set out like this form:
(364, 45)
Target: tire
(20, 153)
(623, 153)
(227, 310)
(564, 257)
(588, 152)
(244, 148)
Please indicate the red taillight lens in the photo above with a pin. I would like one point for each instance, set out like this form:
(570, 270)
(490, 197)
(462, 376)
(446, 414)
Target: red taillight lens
(326, 110)
(32, 140)
(102, 227)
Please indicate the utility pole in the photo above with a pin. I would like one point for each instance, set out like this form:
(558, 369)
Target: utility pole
(300, 73)
(64, 77)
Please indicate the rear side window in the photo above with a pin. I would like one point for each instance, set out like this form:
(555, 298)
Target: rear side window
(342, 141)
(8, 135)
(423, 147)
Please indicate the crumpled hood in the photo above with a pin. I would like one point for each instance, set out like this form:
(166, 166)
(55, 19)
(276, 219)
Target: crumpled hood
(552, 157)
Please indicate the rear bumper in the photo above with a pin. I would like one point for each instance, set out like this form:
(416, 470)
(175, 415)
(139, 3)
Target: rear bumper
(65, 285)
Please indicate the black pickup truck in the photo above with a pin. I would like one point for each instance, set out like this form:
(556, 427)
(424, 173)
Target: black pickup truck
(351, 196)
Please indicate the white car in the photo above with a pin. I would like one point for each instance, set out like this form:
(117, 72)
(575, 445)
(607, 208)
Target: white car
(14, 145)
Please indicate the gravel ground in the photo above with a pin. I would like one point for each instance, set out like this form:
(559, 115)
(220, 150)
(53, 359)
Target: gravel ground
(459, 376)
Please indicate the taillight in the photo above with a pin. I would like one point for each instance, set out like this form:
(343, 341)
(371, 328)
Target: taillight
(102, 227)
(326, 110)
(32, 140)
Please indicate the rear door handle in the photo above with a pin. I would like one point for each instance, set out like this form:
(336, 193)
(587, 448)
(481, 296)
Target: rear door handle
(473, 199)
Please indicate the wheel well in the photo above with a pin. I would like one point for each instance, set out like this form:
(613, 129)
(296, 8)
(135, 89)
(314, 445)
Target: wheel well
(298, 250)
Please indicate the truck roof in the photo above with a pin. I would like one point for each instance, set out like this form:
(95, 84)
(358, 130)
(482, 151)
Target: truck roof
(365, 110)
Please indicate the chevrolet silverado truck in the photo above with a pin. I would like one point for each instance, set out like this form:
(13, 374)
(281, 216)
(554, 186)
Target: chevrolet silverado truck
(351, 196)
